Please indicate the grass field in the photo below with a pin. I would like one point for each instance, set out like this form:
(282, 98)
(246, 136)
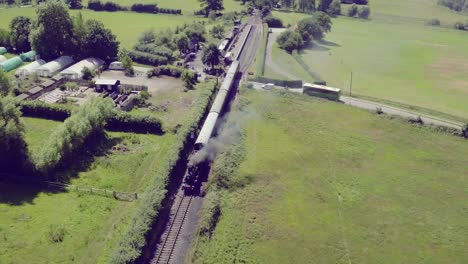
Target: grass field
(93, 224)
(395, 58)
(326, 183)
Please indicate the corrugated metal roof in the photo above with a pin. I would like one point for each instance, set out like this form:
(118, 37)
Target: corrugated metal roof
(47, 83)
(22, 96)
(106, 82)
(35, 90)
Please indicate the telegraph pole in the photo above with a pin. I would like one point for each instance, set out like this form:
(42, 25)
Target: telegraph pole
(351, 84)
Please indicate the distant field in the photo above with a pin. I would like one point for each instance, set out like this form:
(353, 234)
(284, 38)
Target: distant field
(394, 58)
(326, 183)
(93, 224)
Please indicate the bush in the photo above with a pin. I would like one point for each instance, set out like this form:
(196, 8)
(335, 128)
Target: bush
(125, 122)
(43, 110)
(56, 233)
(155, 49)
(290, 40)
(460, 26)
(273, 22)
(434, 22)
(97, 5)
(166, 70)
(364, 12)
(144, 8)
(88, 74)
(352, 10)
(147, 58)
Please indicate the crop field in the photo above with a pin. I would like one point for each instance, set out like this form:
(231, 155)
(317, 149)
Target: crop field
(397, 59)
(322, 182)
(92, 225)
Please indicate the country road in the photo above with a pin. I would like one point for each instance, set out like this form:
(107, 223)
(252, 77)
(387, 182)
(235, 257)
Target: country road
(387, 109)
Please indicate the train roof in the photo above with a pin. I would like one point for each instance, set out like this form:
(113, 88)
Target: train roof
(207, 129)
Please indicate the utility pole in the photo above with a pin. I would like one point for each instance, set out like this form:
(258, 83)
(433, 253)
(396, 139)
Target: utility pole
(351, 84)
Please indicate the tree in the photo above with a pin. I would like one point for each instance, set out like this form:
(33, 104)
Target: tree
(13, 149)
(74, 4)
(273, 22)
(352, 10)
(211, 5)
(5, 83)
(195, 32)
(211, 56)
(307, 5)
(335, 8)
(324, 5)
(182, 43)
(290, 40)
(79, 36)
(217, 31)
(323, 20)
(88, 74)
(52, 32)
(309, 29)
(4, 38)
(364, 12)
(148, 36)
(127, 62)
(20, 28)
(100, 42)
(189, 79)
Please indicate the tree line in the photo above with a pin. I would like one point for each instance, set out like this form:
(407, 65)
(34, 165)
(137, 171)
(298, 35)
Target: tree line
(55, 32)
(456, 5)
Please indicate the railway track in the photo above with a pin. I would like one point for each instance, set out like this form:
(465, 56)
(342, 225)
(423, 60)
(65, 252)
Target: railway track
(169, 238)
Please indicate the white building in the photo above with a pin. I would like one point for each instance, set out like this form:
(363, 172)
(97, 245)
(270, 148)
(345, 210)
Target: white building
(76, 70)
(29, 68)
(50, 68)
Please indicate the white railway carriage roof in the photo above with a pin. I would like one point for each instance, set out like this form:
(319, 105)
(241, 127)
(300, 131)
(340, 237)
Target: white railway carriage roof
(207, 128)
(219, 101)
(309, 85)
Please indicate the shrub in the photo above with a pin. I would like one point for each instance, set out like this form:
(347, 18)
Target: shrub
(56, 233)
(147, 58)
(155, 49)
(144, 8)
(167, 70)
(364, 12)
(352, 10)
(273, 22)
(434, 22)
(88, 74)
(44, 110)
(460, 26)
(125, 122)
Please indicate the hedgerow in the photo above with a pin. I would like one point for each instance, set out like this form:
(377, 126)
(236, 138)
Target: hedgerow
(147, 58)
(167, 70)
(130, 247)
(43, 110)
(125, 122)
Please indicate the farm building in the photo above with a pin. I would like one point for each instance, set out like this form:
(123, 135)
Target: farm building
(30, 68)
(2, 58)
(22, 96)
(76, 71)
(50, 68)
(35, 92)
(28, 56)
(11, 64)
(3, 50)
(107, 85)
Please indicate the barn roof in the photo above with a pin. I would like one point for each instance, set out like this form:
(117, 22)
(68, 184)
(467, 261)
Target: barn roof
(107, 82)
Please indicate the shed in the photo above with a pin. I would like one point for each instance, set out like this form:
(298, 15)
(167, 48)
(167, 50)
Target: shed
(22, 96)
(34, 90)
(29, 68)
(3, 50)
(75, 71)
(47, 84)
(11, 64)
(107, 85)
(2, 58)
(50, 68)
(28, 56)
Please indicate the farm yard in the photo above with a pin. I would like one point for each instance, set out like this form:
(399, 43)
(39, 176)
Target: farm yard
(393, 56)
(361, 189)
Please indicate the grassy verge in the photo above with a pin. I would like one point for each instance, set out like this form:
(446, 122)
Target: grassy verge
(261, 53)
(333, 184)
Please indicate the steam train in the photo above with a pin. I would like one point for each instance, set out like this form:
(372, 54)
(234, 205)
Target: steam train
(192, 177)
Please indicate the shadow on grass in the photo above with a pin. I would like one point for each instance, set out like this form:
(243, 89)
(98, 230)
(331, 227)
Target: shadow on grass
(19, 193)
(328, 43)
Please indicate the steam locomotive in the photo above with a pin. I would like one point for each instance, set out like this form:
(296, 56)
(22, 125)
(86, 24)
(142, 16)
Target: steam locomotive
(193, 174)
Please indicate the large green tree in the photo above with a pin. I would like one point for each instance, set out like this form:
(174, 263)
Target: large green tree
(52, 32)
(307, 5)
(20, 28)
(324, 5)
(211, 56)
(211, 5)
(100, 42)
(182, 43)
(5, 84)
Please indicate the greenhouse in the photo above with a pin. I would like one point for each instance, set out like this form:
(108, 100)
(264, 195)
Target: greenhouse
(2, 58)
(3, 50)
(75, 71)
(50, 68)
(28, 56)
(11, 64)
(30, 68)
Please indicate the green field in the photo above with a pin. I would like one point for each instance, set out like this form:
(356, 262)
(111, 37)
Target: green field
(93, 224)
(326, 183)
(395, 58)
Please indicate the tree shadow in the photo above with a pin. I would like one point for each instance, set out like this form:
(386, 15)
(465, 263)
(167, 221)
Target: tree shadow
(17, 194)
(316, 47)
(98, 145)
(328, 43)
